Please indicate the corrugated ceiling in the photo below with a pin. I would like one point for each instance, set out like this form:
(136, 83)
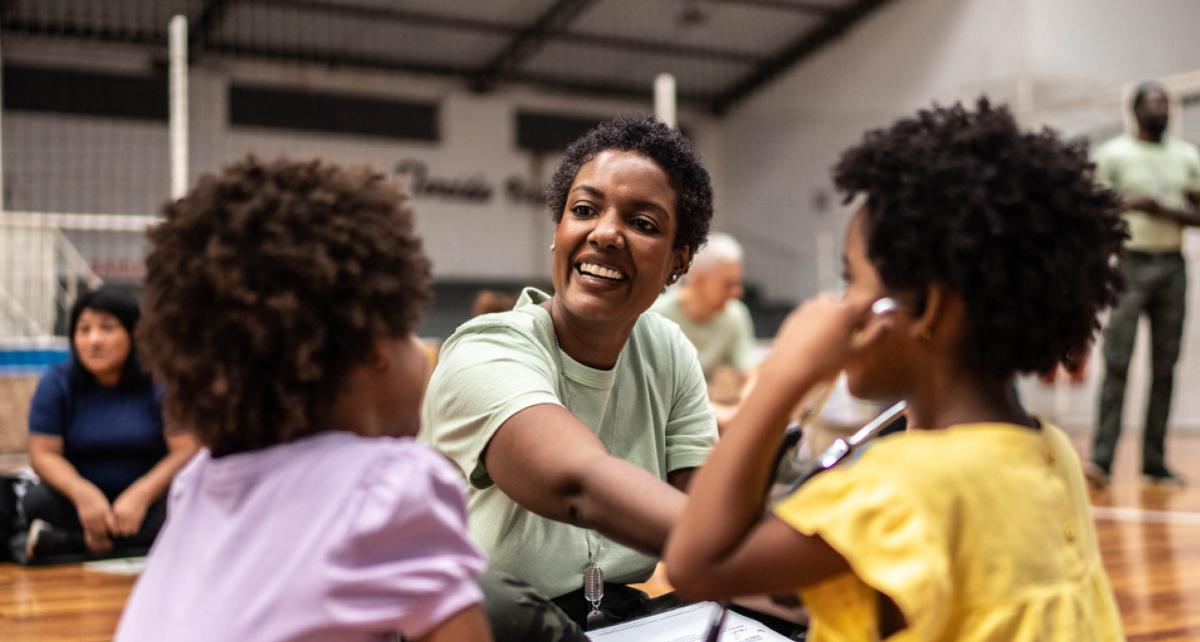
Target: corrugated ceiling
(720, 51)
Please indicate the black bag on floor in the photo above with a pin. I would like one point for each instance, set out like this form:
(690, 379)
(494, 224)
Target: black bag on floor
(12, 520)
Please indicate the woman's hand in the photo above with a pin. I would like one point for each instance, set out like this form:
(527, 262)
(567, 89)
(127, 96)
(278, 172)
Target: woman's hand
(96, 517)
(128, 509)
(101, 543)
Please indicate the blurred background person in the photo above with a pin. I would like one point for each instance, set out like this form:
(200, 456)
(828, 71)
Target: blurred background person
(1158, 178)
(708, 308)
(489, 301)
(97, 441)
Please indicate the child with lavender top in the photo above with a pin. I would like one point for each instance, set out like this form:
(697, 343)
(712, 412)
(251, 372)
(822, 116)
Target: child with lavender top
(280, 303)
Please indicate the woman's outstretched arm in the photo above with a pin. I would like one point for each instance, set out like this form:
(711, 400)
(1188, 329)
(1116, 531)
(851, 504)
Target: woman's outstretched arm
(552, 464)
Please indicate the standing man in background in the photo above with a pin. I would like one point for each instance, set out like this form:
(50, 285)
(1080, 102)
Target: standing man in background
(1158, 178)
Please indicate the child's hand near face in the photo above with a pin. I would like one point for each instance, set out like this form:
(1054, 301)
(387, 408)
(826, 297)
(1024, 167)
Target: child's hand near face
(817, 338)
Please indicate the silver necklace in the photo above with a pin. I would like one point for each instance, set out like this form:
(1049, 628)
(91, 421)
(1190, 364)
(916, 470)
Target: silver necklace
(593, 575)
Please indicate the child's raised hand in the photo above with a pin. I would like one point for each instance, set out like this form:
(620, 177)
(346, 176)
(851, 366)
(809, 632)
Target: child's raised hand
(817, 338)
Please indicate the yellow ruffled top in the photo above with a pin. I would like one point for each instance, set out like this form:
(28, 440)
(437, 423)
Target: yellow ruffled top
(976, 532)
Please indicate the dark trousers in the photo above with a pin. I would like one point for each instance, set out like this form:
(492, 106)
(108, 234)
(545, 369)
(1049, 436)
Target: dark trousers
(44, 503)
(1155, 285)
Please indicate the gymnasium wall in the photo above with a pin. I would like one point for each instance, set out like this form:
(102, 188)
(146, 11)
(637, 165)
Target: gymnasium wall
(475, 191)
(778, 147)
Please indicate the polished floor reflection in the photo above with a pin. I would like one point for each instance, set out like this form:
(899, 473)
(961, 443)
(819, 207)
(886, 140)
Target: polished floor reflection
(1150, 539)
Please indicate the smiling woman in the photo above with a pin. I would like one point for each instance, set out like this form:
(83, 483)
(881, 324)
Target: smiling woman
(577, 417)
(614, 251)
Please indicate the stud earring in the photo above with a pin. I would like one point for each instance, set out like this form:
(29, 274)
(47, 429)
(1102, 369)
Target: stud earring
(552, 248)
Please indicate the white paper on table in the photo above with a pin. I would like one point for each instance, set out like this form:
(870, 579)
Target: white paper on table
(686, 624)
(117, 566)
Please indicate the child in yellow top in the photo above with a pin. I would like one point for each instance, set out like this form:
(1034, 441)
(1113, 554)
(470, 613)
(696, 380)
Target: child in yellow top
(973, 525)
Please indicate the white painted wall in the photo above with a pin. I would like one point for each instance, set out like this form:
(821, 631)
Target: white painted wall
(778, 147)
(1112, 41)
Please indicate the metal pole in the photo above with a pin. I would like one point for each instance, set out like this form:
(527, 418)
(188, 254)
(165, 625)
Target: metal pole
(179, 106)
(664, 99)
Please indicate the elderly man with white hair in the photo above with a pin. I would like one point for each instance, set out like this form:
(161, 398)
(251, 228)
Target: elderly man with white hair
(708, 308)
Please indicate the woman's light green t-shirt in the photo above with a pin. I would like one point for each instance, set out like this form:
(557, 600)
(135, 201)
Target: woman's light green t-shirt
(651, 409)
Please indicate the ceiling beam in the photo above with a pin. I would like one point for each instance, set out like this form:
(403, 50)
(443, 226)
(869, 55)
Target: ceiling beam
(828, 31)
(377, 63)
(203, 30)
(115, 35)
(528, 42)
(367, 63)
(378, 13)
(507, 29)
(731, 56)
(814, 8)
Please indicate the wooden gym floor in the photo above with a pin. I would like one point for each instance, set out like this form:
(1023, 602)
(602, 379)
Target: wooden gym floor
(1149, 537)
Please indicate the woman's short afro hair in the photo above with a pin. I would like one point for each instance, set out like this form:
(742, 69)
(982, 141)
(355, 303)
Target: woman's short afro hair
(1012, 221)
(660, 143)
(266, 285)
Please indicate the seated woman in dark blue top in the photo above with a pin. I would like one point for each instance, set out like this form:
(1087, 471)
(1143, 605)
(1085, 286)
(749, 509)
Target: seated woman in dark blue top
(97, 443)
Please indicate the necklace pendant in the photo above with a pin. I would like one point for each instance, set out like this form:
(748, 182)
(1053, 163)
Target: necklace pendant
(593, 592)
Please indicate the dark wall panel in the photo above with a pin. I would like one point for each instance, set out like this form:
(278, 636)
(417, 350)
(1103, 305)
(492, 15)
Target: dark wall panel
(552, 132)
(89, 93)
(279, 108)
(545, 132)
